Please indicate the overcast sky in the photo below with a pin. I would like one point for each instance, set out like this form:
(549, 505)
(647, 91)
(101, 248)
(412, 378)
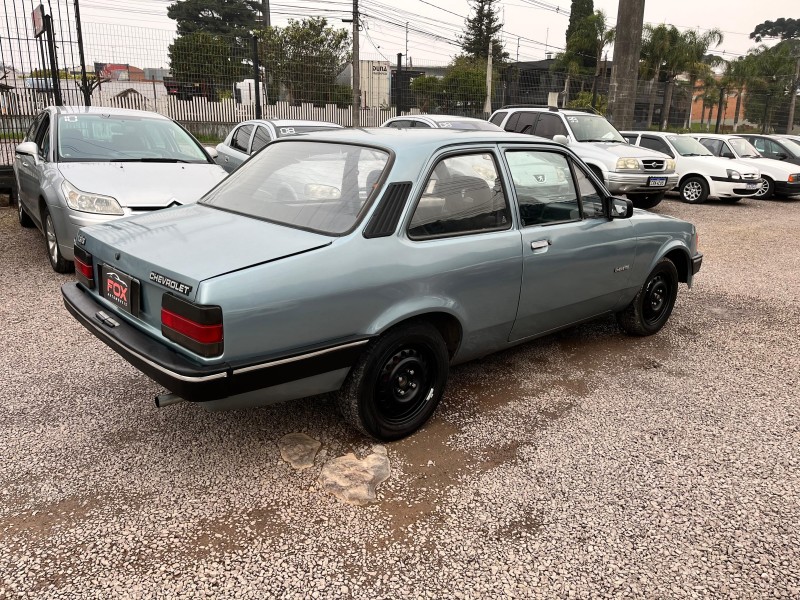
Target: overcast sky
(531, 27)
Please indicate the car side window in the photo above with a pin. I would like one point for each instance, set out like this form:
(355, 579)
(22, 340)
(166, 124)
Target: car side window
(549, 126)
(511, 124)
(30, 134)
(715, 146)
(544, 187)
(402, 124)
(657, 144)
(241, 138)
(462, 195)
(774, 149)
(497, 118)
(526, 122)
(260, 139)
(43, 137)
(421, 124)
(591, 196)
(631, 139)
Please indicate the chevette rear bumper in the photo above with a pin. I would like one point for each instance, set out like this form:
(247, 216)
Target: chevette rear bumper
(192, 380)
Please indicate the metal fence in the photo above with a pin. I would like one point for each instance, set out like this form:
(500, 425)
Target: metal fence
(208, 83)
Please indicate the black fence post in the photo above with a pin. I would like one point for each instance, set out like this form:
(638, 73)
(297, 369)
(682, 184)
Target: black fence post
(397, 84)
(51, 47)
(87, 95)
(766, 110)
(256, 77)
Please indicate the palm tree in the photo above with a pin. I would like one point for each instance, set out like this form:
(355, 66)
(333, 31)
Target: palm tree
(696, 45)
(655, 45)
(676, 61)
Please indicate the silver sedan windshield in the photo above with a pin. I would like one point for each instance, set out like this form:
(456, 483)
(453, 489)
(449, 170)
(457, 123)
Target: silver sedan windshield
(317, 186)
(124, 138)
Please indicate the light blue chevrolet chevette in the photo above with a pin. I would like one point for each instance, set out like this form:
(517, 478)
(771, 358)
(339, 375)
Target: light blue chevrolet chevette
(365, 262)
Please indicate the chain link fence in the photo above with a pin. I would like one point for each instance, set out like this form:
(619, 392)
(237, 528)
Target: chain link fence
(209, 82)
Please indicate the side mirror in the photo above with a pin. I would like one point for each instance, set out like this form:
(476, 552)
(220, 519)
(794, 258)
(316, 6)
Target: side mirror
(620, 208)
(28, 148)
(727, 155)
(212, 152)
(561, 139)
(781, 156)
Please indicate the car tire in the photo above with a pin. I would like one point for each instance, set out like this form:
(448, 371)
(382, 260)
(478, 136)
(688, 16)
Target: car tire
(24, 218)
(57, 260)
(646, 201)
(694, 190)
(397, 382)
(766, 190)
(653, 304)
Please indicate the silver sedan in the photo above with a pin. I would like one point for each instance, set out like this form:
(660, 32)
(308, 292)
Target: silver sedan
(81, 166)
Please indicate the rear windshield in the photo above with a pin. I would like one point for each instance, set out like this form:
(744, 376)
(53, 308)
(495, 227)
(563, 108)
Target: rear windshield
(124, 138)
(290, 130)
(474, 125)
(319, 186)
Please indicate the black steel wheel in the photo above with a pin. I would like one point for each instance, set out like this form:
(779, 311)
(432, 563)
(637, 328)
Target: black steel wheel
(653, 304)
(397, 383)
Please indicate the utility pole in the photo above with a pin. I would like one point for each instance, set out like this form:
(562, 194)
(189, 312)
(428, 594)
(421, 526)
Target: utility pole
(793, 99)
(356, 69)
(625, 70)
(406, 55)
(265, 12)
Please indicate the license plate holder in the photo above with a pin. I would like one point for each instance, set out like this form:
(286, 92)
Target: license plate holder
(656, 181)
(120, 289)
(752, 186)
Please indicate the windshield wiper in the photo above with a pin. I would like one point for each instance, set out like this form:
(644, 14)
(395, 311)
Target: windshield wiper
(602, 140)
(150, 160)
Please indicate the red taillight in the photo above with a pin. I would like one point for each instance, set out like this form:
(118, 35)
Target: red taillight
(204, 334)
(84, 267)
(194, 326)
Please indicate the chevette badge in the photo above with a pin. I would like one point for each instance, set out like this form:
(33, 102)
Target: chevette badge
(179, 287)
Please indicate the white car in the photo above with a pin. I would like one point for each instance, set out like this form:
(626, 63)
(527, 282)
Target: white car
(777, 176)
(440, 122)
(702, 175)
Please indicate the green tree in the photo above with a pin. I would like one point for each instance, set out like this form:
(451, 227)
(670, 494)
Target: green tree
(464, 85)
(219, 17)
(305, 57)
(698, 61)
(427, 92)
(479, 29)
(784, 29)
(577, 45)
(212, 60)
(656, 42)
(769, 90)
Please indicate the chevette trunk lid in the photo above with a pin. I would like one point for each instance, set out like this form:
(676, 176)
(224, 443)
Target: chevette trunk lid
(175, 249)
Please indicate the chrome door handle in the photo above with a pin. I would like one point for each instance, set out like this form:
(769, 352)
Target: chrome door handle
(539, 244)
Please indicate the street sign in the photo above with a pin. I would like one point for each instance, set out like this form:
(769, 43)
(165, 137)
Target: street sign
(38, 20)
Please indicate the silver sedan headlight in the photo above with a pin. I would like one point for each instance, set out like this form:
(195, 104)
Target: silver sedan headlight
(627, 164)
(91, 203)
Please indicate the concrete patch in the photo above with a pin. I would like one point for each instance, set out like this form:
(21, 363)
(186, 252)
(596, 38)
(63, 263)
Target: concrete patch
(353, 480)
(298, 450)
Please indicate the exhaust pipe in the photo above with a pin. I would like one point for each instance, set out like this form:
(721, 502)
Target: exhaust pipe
(163, 400)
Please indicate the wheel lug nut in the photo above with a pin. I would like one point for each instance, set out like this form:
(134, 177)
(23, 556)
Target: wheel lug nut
(413, 386)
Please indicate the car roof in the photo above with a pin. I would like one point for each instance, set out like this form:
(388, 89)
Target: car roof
(104, 110)
(717, 136)
(563, 111)
(417, 140)
(439, 118)
(291, 122)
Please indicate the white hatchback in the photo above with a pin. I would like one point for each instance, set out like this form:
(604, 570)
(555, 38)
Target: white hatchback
(702, 175)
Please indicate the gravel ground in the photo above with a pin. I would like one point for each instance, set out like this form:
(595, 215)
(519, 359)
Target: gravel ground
(586, 464)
